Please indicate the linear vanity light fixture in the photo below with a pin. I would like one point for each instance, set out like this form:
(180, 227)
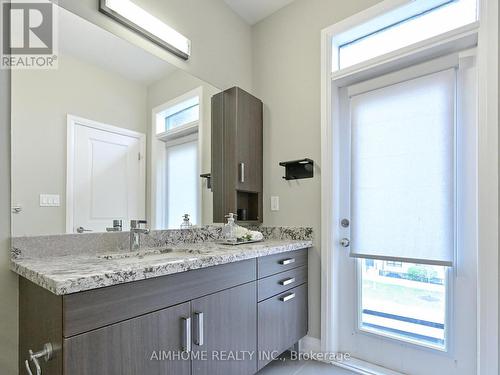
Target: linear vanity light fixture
(137, 19)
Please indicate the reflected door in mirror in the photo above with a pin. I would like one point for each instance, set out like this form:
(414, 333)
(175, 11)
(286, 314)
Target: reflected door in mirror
(107, 176)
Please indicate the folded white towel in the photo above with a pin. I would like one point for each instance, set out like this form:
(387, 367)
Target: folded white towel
(256, 236)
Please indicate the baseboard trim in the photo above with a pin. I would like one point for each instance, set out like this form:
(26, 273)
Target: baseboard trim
(311, 344)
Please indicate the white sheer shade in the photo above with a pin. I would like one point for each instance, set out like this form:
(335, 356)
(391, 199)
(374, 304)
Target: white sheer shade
(182, 183)
(402, 171)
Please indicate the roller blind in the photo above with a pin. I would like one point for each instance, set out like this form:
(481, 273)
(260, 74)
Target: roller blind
(182, 182)
(402, 171)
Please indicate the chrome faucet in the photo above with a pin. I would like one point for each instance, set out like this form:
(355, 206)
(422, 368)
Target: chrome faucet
(135, 233)
(117, 226)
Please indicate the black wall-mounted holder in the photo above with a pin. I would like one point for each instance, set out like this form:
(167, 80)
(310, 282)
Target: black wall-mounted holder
(298, 169)
(208, 176)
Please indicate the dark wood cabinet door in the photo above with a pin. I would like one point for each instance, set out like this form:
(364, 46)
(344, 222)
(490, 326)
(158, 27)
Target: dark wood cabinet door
(282, 323)
(229, 330)
(249, 142)
(135, 347)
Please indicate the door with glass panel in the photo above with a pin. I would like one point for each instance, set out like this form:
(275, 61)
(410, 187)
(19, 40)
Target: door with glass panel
(408, 228)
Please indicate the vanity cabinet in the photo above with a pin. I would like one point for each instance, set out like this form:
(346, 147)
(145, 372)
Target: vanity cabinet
(226, 319)
(131, 347)
(229, 332)
(237, 147)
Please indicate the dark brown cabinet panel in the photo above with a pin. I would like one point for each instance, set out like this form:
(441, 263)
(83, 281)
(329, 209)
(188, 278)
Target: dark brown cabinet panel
(85, 311)
(135, 347)
(229, 332)
(282, 322)
(237, 127)
(249, 142)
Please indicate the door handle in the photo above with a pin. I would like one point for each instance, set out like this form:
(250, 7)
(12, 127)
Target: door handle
(199, 339)
(82, 229)
(186, 346)
(242, 172)
(345, 242)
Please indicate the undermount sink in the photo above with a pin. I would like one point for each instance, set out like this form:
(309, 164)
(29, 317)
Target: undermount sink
(135, 254)
(149, 252)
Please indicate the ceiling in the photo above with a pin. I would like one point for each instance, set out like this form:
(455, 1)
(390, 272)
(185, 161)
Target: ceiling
(106, 50)
(253, 11)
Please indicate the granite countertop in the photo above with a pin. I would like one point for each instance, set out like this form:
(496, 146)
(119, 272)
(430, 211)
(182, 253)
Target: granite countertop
(69, 273)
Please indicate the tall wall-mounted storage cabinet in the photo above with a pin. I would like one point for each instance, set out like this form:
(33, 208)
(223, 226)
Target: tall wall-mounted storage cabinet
(237, 127)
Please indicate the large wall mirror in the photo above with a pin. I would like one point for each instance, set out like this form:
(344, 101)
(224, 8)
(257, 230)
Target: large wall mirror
(114, 133)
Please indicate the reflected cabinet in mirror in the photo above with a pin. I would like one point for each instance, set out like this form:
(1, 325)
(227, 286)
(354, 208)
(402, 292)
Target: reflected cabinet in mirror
(113, 134)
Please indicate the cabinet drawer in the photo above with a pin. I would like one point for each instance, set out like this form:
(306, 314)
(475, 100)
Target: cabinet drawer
(282, 321)
(281, 282)
(272, 264)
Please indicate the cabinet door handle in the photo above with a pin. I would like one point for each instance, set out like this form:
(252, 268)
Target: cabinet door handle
(288, 297)
(287, 281)
(186, 346)
(199, 329)
(242, 172)
(286, 262)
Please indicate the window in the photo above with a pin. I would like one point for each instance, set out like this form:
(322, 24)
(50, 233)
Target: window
(401, 28)
(409, 304)
(176, 165)
(183, 117)
(180, 116)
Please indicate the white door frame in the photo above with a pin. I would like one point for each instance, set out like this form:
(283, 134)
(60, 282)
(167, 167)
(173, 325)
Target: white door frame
(72, 123)
(158, 155)
(486, 32)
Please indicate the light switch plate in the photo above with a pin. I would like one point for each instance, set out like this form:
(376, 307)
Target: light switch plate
(275, 203)
(50, 200)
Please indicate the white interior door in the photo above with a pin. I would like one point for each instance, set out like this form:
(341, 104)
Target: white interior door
(106, 179)
(407, 189)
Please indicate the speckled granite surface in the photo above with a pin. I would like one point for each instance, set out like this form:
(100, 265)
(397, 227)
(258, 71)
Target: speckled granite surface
(73, 263)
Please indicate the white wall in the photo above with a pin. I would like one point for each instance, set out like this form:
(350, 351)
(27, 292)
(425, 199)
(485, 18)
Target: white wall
(8, 280)
(41, 100)
(169, 88)
(221, 41)
(286, 76)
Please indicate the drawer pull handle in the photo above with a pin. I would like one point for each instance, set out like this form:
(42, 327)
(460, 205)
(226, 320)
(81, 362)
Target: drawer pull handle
(199, 329)
(242, 172)
(286, 262)
(288, 297)
(186, 346)
(287, 281)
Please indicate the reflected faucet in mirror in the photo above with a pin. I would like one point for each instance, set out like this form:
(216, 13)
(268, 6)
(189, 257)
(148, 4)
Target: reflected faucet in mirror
(137, 227)
(117, 226)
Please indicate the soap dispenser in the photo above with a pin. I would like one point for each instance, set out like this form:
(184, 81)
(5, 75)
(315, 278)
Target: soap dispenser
(186, 224)
(228, 231)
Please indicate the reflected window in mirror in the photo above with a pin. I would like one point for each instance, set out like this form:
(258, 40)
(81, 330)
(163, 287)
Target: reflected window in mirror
(178, 161)
(184, 117)
(180, 116)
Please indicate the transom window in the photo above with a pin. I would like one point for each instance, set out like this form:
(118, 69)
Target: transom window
(401, 28)
(180, 115)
